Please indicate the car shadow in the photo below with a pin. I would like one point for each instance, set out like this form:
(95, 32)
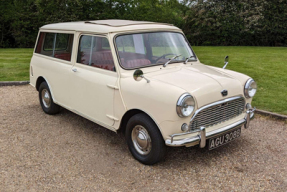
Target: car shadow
(176, 156)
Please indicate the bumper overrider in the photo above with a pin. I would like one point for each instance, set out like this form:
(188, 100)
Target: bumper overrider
(202, 135)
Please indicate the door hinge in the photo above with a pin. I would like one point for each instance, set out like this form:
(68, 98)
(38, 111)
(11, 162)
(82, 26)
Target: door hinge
(111, 117)
(113, 87)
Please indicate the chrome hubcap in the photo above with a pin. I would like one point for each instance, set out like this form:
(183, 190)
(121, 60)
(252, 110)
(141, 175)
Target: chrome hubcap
(46, 99)
(141, 140)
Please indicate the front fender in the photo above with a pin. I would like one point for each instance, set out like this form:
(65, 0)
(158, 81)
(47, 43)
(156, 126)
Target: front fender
(158, 99)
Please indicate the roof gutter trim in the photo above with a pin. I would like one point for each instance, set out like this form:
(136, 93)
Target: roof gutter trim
(124, 25)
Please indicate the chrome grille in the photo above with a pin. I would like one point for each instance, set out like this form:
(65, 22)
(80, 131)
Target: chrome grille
(218, 113)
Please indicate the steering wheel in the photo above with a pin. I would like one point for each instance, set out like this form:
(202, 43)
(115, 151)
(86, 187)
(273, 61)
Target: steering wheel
(163, 57)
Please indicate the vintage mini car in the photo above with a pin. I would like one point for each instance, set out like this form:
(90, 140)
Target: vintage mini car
(142, 78)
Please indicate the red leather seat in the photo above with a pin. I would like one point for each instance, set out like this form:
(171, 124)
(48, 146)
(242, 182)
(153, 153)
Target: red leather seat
(133, 60)
(64, 56)
(100, 59)
(137, 63)
(103, 59)
(103, 55)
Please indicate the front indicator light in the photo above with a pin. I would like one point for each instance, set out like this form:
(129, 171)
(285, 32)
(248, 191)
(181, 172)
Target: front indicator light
(184, 127)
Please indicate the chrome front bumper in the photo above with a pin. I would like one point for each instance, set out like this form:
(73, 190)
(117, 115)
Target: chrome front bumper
(202, 136)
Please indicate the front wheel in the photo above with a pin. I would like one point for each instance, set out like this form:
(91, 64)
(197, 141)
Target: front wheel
(144, 139)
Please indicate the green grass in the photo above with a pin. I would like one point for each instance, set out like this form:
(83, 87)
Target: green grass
(14, 64)
(267, 65)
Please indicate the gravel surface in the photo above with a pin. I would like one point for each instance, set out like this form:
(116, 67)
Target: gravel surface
(66, 152)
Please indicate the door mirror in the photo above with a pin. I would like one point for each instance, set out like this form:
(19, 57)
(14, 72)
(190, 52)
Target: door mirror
(225, 61)
(138, 75)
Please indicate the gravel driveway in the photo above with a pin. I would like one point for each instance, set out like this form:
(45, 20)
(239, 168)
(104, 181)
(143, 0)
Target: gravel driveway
(66, 152)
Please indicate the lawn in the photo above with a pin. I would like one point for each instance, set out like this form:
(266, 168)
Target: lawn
(14, 64)
(267, 65)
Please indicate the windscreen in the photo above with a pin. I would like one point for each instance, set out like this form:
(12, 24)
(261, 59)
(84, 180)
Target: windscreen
(148, 49)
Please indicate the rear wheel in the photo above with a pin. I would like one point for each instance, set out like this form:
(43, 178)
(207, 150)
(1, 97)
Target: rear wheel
(46, 100)
(144, 139)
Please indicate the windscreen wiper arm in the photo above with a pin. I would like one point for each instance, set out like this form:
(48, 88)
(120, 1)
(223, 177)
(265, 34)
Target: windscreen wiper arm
(189, 58)
(164, 65)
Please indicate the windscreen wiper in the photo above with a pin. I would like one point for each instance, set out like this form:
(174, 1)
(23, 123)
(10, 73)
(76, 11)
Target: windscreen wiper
(164, 65)
(189, 58)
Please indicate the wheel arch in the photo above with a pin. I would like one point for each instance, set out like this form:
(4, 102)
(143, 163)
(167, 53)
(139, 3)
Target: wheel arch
(131, 113)
(40, 80)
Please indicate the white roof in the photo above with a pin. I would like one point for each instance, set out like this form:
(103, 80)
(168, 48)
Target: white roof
(106, 26)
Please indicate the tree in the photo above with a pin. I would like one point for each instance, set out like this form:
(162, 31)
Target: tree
(6, 15)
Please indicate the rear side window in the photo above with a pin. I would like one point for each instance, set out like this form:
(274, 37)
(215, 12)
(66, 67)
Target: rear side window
(49, 42)
(58, 45)
(96, 52)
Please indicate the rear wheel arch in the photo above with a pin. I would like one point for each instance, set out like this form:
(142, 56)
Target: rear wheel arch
(39, 81)
(46, 99)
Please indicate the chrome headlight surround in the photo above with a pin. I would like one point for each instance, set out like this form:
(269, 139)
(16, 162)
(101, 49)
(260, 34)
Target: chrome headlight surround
(250, 88)
(185, 105)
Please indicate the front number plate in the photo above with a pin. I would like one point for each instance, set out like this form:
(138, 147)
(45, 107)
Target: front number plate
(223, 139)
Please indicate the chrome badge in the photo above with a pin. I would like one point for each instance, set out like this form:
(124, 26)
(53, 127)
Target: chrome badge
(224, 92)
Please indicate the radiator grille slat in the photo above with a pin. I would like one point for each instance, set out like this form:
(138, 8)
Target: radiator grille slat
(218, 113)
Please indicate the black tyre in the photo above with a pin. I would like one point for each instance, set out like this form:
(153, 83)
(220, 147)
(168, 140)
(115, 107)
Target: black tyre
(46, 100)
(144, 139)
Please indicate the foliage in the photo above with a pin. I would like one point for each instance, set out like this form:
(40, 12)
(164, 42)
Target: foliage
(205, 22)
(237, 22)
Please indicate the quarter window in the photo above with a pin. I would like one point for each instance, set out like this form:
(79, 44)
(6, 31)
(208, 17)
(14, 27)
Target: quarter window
(96, 52)
(49, 42)
(58, 45)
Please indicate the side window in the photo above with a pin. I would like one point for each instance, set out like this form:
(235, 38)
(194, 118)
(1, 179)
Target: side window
(96, 52)
(58, 45)
(49, 42)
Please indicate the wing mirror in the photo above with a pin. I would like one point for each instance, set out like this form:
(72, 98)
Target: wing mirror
(225, 61)
(138, 75)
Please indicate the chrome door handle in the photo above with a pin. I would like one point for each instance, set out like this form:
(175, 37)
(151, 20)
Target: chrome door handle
(74, 70)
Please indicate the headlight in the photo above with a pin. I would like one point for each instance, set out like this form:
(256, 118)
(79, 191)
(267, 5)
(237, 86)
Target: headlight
(250, 88)
(185, 105)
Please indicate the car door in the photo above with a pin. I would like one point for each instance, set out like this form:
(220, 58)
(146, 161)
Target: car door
(94, 79)
(53, 62)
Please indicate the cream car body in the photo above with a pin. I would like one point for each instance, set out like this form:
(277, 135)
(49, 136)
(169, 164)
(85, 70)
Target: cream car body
(111, 97)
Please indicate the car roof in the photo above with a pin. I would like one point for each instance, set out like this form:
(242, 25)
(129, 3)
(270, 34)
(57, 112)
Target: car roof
(107, 26)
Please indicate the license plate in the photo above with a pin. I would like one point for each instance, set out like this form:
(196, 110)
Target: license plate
(224, 138)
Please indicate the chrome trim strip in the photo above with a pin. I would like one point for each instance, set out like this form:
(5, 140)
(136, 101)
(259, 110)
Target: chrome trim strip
(213, 104)
(196, 139)
(223, 129)
(185, 133)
